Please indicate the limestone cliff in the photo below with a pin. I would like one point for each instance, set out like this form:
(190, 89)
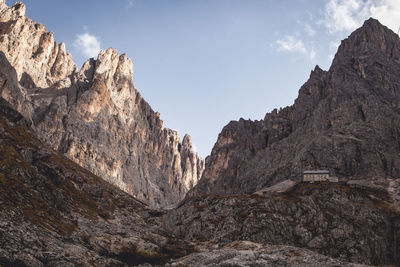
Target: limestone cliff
(94, 115)
(346, 119)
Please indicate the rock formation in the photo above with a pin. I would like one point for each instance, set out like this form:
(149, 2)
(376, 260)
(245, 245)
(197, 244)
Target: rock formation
(246, 253)
(359, 225)
(346, 119)
(94, 115)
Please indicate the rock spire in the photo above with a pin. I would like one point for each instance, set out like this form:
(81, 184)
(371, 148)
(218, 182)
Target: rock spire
(94, 115)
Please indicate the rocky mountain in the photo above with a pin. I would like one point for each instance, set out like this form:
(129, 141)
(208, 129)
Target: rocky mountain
(55, 213)
(94, 115)
(73, 124)
(346, 120)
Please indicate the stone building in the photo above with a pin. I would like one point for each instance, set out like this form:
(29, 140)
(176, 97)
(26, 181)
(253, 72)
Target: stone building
(317, 176)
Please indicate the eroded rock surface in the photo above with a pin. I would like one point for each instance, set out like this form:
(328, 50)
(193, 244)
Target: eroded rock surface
(95, 115)
(246, 253)
(346, 119)
(349, 223)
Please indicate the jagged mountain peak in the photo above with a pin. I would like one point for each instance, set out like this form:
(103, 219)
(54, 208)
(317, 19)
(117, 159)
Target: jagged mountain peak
(372, 40)
(345, 120)
(111, 61)
(17, 10)
(38, 60)
(373, 31)
(366, 49)
(93, 115)
(107, 81)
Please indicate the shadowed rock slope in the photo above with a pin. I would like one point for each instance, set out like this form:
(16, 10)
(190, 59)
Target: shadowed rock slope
(346, 119)
(359, 225)
(55, 213)
(95, 115)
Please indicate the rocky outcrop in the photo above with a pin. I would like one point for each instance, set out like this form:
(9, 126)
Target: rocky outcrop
(346, 222)
(346, 119)
(94, 115)
(246, 253)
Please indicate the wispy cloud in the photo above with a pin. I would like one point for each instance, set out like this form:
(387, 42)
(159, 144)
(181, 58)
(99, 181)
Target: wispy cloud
(337, 19)
(87, 44)
(291, 44)
(347, 15)
(309, 30)
(341, 17)
(129, 4)
(388, 13)
(312, 53)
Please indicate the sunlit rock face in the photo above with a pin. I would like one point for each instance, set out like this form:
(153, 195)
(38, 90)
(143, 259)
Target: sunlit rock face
(346, 120)
(94, 115)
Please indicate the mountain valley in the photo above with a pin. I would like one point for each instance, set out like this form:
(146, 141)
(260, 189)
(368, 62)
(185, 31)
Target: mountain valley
(89, 175)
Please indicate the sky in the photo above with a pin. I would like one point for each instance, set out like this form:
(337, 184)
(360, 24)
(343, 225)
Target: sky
(203, 63)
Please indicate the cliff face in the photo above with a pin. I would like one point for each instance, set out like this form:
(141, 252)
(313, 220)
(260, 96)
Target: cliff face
(95, 115)
(346, 120)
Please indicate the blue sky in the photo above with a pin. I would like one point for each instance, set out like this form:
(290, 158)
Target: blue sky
(202, 63)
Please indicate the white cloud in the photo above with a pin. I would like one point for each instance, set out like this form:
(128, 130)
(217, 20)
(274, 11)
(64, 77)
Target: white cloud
(88, 44)
(290, 44)
(309, 30)
(347, 15)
